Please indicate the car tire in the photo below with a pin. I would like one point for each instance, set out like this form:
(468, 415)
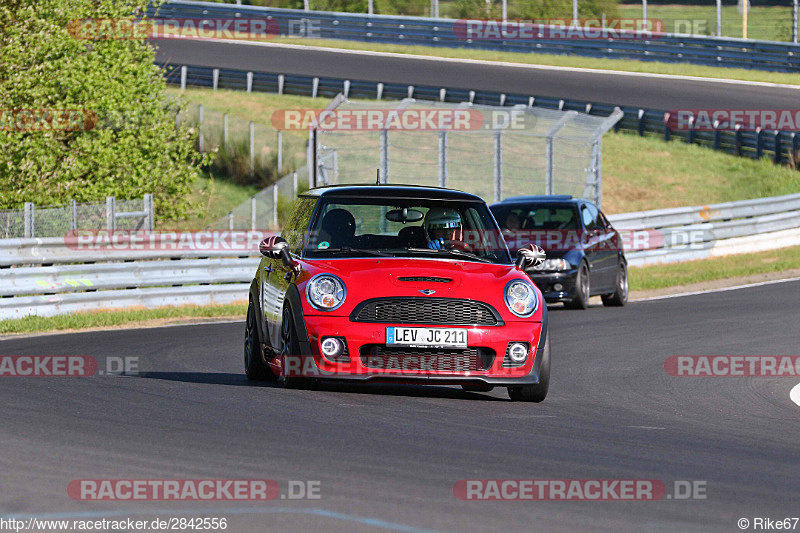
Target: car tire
(619, 297)
(255, 368)
(582, 289)
(538, 392)
(291, 346)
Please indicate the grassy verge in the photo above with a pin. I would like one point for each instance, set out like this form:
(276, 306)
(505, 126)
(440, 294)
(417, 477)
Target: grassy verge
(104, 319)
(678, 69)
(662, 276)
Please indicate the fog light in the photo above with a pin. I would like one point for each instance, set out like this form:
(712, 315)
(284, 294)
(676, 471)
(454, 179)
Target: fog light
(558, 287)
(518, 352)
(331, 347)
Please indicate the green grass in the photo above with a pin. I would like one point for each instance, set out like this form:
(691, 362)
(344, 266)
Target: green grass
(661, 276)
(769, 23)
(211, 198)
(100, 319)
(680, 69)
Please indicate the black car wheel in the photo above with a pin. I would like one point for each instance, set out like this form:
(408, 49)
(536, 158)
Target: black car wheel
(538, 392)
(619, 297)
(291, 348)
(255, 368)
(582, 289)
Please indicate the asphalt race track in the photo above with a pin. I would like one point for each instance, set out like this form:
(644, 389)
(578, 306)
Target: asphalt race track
(598, 87)
(388, 456)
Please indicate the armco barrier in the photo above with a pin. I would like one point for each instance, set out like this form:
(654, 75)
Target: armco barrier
(70, 280)
(779, 146)
(671, 48)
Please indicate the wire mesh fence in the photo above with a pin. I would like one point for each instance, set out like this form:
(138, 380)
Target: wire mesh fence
(58, 220)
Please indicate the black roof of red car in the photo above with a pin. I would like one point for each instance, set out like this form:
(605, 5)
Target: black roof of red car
(392, 191)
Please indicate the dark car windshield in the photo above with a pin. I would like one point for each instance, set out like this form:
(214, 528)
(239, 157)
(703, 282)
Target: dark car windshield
(393, 227)
(536, 216)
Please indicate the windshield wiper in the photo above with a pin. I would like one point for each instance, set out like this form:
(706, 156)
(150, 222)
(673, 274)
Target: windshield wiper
(457, 253)
(348, 250)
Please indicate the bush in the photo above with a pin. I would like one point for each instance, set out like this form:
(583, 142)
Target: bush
(43, 67)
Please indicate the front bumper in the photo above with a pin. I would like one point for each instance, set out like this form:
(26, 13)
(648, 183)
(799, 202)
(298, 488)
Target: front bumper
(364, 339)
(546, 282)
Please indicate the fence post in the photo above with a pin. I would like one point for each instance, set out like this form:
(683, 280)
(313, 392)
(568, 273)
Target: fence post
(249, 82)
(294, 184)
(200, 127)
(314, 87)
(215, 79)
(691, 136)
(184, 70)
(253, 212)
(498, 165)
(759, 142)
(29, 224)
(280, 152)
(641, 123)
(667, 131)
(274, 206)
(443, 158)
(794, 21)
(384, 178)
(148, 207)
(225, 131)
(597, 148)
(335, 163)
(252, 149)
(778, 148)
(738, 150)
(551, 133)
(717, 135)
(111, 213)
(230, 220)
(74, 214)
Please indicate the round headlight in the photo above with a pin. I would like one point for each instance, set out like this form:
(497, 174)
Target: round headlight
(518, 352)
(325, 292)
(520, 298)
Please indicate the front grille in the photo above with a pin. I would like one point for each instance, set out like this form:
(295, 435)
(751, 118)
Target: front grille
(406, 358)
(448, 311)
(425, 279)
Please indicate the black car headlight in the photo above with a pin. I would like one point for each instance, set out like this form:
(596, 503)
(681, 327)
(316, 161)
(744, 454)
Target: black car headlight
(557, 265)
(325, 292)
(521, 298)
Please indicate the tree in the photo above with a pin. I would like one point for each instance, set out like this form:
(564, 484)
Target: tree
(135, 147)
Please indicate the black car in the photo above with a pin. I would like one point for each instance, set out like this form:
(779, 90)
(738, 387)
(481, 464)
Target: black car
(584, 252)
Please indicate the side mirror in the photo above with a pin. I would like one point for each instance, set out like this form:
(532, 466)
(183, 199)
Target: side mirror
(529, 257)
(277, 248)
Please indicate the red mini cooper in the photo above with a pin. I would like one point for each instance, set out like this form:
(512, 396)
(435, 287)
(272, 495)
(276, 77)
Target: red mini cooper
(397, 284)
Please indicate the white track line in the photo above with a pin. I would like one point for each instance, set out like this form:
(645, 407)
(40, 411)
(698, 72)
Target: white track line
(794, 394)
(722, 289)
(505, 64)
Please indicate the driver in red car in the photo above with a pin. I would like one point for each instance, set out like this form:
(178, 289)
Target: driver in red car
(443, 226)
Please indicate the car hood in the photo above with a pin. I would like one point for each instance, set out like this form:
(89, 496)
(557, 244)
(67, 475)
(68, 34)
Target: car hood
(404, 277)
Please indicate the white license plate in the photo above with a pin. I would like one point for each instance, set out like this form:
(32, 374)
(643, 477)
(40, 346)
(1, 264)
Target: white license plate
(426, 337)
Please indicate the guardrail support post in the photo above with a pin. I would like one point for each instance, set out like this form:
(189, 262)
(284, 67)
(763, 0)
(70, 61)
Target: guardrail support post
(442, 158)
(249, 82)
(28, 220)
(184, 72)
(346, 88)
(498, 165)
(778, 148)
(738, 149)
(281, 81)
(380, 91)
(111, 213)
(717, 138)
(640, 126)
(214, 79)
(314, 87)
(759, 143)
(148, 208)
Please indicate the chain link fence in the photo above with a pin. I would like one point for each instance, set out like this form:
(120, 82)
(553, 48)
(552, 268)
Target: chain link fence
(58, 220)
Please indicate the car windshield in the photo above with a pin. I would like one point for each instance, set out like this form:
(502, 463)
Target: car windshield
(370, 227)
(536, 217)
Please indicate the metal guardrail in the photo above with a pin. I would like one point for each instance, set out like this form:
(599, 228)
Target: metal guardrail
(688, 233)
(671, 48)
(73, 280)
(780, 146)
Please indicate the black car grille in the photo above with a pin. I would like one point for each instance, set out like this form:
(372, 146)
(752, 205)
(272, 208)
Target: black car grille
(448, 311)
(425, 279)
(416, 359)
